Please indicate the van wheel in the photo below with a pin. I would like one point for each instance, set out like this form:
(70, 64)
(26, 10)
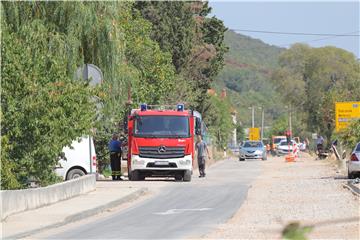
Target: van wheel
(75, 173)
(187, 176)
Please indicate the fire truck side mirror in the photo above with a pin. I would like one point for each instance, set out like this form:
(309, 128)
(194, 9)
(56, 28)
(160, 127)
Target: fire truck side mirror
(198, 126)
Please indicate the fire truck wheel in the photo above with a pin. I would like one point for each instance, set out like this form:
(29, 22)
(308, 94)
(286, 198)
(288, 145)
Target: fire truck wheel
(142, 176)
(178, 177)
(134, 176)
(187, 176)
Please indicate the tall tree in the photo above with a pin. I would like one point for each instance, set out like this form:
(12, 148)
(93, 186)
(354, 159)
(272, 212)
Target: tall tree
(313, 79)
(172, 27)
(65, 36)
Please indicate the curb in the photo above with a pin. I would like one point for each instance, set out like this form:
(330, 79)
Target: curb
(83, 215)
(354, 190)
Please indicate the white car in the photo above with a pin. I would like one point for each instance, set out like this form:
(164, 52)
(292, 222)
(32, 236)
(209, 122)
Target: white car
(77, 160)
(353, 164)
(283, 148)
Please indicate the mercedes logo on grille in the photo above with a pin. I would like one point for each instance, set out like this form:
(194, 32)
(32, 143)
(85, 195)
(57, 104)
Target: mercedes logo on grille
(162, 149)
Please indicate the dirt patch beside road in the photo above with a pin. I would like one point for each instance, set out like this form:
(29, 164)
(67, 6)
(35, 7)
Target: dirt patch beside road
(306, 191)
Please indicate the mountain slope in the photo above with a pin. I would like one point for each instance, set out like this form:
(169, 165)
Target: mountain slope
(246, 76)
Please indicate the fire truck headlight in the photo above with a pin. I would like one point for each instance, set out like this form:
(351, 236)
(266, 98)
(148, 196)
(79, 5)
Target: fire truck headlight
(185, 162)
(138, 162)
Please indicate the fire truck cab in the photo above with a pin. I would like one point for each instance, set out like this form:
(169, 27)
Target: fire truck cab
(161, 142)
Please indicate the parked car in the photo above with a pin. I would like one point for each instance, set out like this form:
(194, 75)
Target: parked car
(252, 150)
(284, 148)
(353, 165)
(276, 141)
(77, 160)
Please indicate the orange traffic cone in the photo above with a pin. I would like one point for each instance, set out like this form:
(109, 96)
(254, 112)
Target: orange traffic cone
(290, 158)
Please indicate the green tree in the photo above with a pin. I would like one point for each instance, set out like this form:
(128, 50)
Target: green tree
(194, 41)
(240, 133)
(313, 79)
(218, 120)
(43, 108)
(172, 27)
(135, 46)
(350, 136)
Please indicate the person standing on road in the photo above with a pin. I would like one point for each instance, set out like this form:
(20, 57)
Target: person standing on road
(201, 155)
(115, 157)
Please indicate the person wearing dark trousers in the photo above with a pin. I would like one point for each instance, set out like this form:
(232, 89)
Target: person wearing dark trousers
(201, 147)
(115, 157)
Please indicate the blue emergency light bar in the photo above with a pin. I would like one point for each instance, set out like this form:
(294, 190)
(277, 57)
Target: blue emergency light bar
(180, 107)
(143, 107)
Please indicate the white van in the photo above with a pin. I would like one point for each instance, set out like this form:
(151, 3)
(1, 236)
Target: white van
(77, 160)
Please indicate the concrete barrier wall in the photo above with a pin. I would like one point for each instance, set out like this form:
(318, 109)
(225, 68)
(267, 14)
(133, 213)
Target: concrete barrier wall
(14, 201)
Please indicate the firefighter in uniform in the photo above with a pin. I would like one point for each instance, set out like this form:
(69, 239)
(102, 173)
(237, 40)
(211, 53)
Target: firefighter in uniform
(115, 157)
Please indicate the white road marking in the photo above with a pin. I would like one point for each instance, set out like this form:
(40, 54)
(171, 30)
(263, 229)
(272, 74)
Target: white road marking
(177, 211)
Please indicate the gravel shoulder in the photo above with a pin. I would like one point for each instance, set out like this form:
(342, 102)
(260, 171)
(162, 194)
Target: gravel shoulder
(307, 191)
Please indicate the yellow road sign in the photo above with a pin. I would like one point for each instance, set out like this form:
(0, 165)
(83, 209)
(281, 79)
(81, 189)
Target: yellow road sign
(254, 134)
(345, 112)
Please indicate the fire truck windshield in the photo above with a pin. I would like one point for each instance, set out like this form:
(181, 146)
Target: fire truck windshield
(162, 126)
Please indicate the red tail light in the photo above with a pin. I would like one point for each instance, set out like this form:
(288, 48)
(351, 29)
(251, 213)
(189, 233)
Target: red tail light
(354, 157)
(94, 160)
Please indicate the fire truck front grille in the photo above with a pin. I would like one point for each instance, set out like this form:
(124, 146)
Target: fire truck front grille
(162, 152)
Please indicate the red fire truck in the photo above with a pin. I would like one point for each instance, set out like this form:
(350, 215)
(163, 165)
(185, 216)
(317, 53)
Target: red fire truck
(161, 142)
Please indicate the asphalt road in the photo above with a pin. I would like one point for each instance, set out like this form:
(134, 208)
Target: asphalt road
(180, 210)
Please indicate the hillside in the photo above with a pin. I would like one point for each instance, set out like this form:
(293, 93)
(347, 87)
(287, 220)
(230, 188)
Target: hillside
(246, 76)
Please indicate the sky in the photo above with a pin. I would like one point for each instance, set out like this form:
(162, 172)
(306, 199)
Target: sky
(321, 17)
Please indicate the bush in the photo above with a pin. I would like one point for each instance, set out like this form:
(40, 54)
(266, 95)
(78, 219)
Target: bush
(350, 136)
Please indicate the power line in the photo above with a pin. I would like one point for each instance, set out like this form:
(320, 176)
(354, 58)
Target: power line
(298, 33)
(318, 39)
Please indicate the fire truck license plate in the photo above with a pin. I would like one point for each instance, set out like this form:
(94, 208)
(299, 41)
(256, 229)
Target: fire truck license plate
(162, 163)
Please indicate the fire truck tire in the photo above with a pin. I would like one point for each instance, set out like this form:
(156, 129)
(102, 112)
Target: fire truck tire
(142, 176)
(187, 176)
(178, 177)
(134, 176)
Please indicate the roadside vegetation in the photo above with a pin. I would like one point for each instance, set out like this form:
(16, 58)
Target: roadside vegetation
(304, 80)
(159, 52)
(350, 136)
(313, 79)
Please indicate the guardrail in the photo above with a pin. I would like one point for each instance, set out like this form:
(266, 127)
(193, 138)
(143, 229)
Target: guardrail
(14, 201)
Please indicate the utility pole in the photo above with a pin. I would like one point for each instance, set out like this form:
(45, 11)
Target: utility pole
(262, 123)
(253, 116)
(290, 126)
